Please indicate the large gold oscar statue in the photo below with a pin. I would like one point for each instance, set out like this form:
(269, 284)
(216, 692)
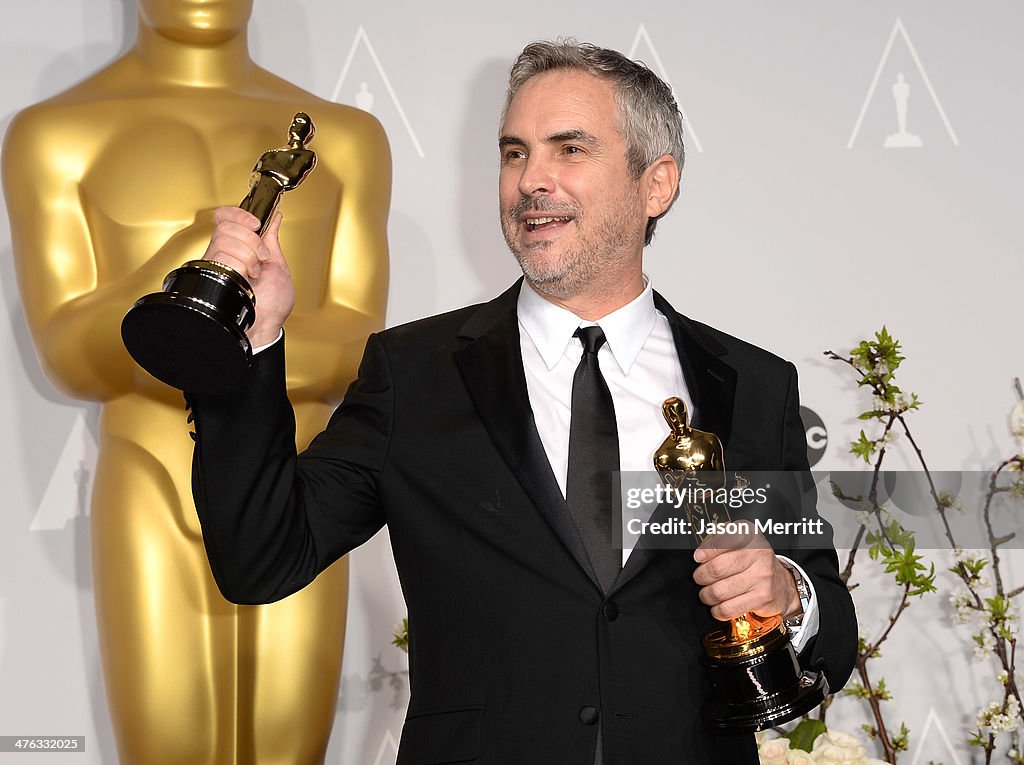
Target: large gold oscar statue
(103, 184)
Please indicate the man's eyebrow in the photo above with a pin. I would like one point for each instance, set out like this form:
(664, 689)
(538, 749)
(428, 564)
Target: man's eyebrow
(579, 136)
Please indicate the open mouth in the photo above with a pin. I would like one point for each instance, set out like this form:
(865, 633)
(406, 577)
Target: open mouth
(541, 224)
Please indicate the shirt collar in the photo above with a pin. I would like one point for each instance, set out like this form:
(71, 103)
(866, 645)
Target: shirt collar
(551, 327)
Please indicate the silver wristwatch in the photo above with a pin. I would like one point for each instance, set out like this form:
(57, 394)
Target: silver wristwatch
(803, 590)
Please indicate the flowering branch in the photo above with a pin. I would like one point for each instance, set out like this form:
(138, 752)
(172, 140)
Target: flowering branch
(998, 634)
(876, 361)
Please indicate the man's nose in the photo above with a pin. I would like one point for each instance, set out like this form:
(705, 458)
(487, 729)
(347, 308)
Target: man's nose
(538, 176)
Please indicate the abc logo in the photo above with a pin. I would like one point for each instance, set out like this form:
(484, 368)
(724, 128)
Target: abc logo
(816, 433)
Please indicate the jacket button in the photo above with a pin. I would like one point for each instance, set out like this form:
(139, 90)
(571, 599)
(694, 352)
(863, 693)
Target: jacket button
(588, 715)
(611, 611)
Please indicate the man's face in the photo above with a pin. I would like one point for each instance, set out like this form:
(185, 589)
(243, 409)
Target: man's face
(570, 211)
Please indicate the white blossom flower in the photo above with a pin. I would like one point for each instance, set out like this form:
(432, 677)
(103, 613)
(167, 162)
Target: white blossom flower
(962, 604)
(1003, 677)
(997, 717)
(986, 646)
(1011, 717)
(1017, 422)
(799, 757)
(1003, 722)
(970, 557)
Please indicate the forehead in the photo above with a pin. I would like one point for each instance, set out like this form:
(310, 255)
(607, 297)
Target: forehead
(562, 100)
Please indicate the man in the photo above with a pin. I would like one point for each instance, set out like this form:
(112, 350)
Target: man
(530, 641)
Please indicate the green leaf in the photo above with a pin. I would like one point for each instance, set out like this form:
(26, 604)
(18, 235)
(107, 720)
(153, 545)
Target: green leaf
(863, 447)
(803, 735)
(998, 606)
(909, 571)
(899, 536)
(874, 414)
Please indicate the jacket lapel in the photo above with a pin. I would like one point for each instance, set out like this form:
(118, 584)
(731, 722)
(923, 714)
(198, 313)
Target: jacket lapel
(712, 386)
(491, 365)
(711, 382)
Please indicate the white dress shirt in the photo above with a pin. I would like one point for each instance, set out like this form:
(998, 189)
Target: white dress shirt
(639, 362)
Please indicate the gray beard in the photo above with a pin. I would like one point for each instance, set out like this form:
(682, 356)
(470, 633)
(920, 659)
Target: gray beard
(565, 280)
(578, 269)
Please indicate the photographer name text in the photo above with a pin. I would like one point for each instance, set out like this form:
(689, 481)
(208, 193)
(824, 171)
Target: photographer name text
(704, 527)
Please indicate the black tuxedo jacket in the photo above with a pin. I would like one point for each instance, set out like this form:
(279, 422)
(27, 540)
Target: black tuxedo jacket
(516, 655)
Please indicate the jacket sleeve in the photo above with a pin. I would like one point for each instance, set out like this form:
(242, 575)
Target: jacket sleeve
(273, 520)
(834, 648)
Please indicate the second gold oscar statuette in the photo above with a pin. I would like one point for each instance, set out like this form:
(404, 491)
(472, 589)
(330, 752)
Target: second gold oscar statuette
(756, 678)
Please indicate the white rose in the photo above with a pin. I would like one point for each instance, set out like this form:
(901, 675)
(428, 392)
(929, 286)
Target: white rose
(835, 746)
(774, 751)
(827, 754)
(799, 757)
(763, 735)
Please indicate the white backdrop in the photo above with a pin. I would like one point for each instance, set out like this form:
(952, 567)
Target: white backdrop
(797, 229)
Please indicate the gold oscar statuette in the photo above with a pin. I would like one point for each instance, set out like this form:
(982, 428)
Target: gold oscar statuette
(191, 335)
(109, 185)
(756, 678)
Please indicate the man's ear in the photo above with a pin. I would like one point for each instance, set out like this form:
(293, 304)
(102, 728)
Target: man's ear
(661, 179)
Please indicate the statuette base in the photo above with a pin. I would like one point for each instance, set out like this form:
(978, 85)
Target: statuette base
(192, 335)
(760, 687)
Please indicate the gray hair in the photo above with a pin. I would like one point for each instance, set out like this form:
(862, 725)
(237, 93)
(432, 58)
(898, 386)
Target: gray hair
(649, 119)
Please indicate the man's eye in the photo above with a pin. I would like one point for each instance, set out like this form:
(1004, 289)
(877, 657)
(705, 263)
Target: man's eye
(512, 155)
(573, 150)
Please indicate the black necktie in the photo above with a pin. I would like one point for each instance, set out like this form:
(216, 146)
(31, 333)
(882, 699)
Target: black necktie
(593, 457)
